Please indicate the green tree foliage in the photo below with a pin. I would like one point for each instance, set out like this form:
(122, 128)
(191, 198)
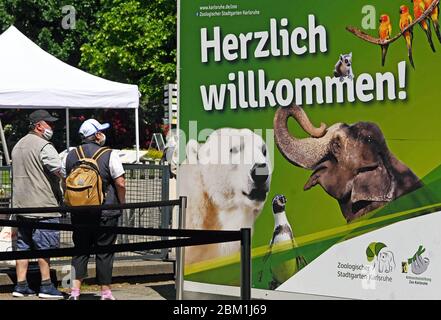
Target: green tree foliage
(135, 42)
(41, 21)
(131, 41)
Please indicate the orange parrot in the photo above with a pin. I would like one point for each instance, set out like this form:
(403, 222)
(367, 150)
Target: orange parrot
(405, 21)
(434, 16)
(418, 9)
(384, 31)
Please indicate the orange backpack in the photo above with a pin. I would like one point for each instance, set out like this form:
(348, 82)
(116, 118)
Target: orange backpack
(84, 185)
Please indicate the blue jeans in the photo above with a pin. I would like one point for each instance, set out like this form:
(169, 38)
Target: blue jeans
(39, 239)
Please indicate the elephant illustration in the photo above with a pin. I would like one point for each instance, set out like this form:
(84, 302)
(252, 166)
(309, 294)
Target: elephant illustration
(352, 163)
(386, 262)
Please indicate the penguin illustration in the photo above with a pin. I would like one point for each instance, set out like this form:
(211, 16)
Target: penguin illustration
(282, 232)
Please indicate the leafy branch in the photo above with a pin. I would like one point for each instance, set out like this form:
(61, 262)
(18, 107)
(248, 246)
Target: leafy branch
(419, 252)
(366, 37)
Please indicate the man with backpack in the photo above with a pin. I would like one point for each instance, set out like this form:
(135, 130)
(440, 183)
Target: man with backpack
(94, 176)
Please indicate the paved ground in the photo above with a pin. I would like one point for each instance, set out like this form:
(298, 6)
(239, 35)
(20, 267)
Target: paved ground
(158, 290)
(133, 280)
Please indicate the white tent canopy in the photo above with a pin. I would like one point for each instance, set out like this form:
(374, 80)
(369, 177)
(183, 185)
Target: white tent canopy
(32, 78)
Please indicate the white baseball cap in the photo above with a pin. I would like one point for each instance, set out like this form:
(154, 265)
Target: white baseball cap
(91, 126)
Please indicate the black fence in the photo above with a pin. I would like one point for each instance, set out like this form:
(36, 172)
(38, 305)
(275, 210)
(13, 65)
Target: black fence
(144, 183)
(5, 187)
(182, 238)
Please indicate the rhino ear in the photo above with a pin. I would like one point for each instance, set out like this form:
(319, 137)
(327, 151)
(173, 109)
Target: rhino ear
(192, 151)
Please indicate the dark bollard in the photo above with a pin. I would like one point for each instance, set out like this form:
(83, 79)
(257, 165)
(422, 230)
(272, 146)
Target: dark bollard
(245, 262)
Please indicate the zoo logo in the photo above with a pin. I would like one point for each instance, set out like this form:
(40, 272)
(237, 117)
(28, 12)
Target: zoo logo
(418, 263)
(384, 261)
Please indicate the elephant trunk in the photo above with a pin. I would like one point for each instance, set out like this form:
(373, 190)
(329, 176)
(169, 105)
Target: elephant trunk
(305, 152)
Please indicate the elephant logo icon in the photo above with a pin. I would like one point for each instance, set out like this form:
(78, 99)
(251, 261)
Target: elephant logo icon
(384, 261)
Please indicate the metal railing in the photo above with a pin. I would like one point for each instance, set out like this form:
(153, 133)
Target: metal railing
(5, 187)
(183, 238)
(144, 183)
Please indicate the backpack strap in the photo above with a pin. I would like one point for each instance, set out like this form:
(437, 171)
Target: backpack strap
(80, 153)
(100, 152)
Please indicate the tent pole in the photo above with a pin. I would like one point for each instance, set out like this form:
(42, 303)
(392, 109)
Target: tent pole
(5, 147)
(67, 130)
(137, 134)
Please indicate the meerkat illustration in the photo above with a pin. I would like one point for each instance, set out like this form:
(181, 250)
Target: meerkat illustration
(343, 67)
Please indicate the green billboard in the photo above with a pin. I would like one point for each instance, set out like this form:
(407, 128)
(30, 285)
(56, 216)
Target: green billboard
(316, 124)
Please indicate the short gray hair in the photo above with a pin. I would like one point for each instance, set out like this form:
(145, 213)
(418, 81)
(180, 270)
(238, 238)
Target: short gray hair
(88, 139)
(32, 126)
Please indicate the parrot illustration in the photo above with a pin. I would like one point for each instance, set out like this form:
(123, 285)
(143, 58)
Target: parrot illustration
(405, 21)
(418, 9)
(282, 233)
(434, 16)
(385, 30)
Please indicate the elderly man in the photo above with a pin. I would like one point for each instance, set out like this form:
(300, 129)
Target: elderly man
(36, 170)
(112, 175)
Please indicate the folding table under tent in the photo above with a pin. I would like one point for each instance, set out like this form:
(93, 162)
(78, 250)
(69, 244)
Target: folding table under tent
(32, 78)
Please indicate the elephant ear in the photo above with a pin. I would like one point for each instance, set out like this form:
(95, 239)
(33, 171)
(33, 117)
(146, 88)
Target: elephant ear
(372, 185)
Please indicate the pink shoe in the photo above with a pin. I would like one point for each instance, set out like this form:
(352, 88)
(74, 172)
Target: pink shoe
(74, 294)
(107, 295)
